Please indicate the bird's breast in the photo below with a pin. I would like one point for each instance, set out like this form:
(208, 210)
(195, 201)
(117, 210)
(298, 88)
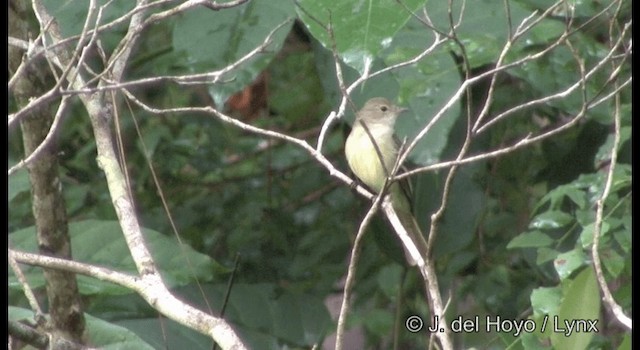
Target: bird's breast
(365, 161)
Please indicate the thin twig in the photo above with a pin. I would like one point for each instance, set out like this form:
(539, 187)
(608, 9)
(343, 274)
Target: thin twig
(351, 271)
(26, 288)
(62, 109)
(149, 283)
(615, 308)
(192, 79)
(343, 90)
(527, 140)
(324, 161)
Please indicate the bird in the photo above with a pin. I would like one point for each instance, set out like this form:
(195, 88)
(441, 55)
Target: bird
(371, 150)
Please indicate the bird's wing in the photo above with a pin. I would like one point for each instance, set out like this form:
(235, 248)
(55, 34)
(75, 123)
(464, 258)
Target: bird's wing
(405, 184)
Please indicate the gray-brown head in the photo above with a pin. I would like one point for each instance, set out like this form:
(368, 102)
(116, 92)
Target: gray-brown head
(380, 110)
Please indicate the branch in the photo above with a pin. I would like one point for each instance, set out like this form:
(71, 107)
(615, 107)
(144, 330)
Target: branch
(26, 288)
(615, 308)
(151, 288)
(457, 95)
(520, 31)
(343, 90)
(149, 284)
(333, 116)
(427, 270)
(528, 139)
(351, 271)
(191, 79)
(560, 94)
(324, 161)
(46, 141)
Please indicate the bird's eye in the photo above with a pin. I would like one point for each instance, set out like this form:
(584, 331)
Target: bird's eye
(383, 108)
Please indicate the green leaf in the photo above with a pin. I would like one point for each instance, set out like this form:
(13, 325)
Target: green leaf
(361, 28)
(604, 152)
(626, 342)
(621, 177)
(165, 333)
(211, 40)
(390, 280)
(586, 236)
(543, 33)
(555, 198)
(18, 183)
(612, 261)
(295, 72)
(550, 220)
(568, 262)
(98, 333)
(458, 227)
(580, 307)
(379, 321)
(546, 300)
(102, 243)
(71, 16)
(293, 317)
(480, 26)
(427, 86)
(530, 239)
(623, 237)
(545, 255)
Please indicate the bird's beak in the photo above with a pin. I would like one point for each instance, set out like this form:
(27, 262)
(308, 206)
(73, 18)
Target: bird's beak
(402, 110)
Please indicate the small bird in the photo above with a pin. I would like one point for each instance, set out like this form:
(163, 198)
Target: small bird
(371, 151)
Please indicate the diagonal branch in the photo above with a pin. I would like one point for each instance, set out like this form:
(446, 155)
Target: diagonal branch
(615, 308)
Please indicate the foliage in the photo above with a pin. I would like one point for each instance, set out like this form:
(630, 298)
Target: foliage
(516, 236)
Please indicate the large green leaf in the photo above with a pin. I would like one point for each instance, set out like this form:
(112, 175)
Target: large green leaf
(481, 25)
(102, 243)
(457, 228)
(100, 334)
(545, 300)
(566, 315)
(163, 333)
(566, 263)
(211, 40)
(18, 183)
(550, 220)
(361, 29)
(266, 315)
(580, 308)
(71, 16)
(426, 87)
(530, 239)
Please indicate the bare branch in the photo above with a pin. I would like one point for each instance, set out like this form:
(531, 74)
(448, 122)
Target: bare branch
(351, 271)
(47, 23)
(333, 171)
(560, 94)
(333, 116)
(615, 308)
(192, 79)
(527, 140)
(427, 270)
(345, 95)
(216, 6)
(118, 61)
(521, 30)
(47, 140)
(148, 286)
(28, 292)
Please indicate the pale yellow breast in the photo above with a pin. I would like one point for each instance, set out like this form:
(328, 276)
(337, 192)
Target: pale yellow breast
(363, 158)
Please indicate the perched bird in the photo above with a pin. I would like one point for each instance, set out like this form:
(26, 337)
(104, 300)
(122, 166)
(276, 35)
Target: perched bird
(371, 150)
